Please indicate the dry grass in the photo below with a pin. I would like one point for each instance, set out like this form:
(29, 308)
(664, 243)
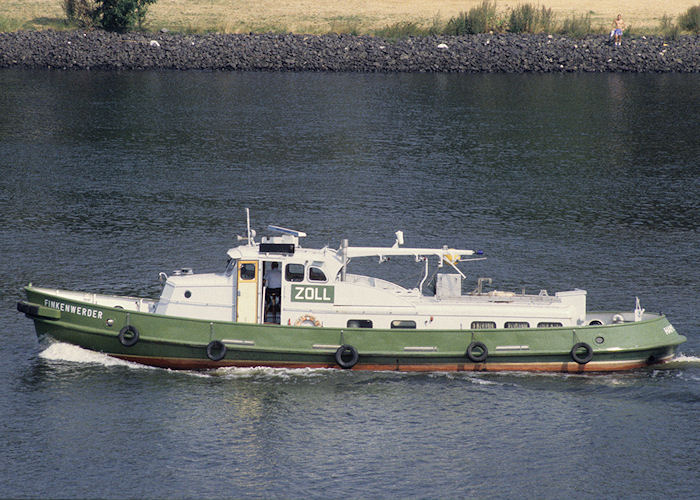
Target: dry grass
(349, 16)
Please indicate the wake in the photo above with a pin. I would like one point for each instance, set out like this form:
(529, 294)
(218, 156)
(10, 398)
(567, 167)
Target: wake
(59, 351)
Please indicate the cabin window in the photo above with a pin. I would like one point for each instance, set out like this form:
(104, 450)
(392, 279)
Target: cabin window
(294, 272)
(316, 274)
(517, 324)
(548, 324)
(402, 323)
(248, 271)
(483, 325)
(359, 323)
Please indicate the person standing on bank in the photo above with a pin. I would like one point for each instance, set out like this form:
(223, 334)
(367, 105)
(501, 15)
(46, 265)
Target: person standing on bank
(619, 26)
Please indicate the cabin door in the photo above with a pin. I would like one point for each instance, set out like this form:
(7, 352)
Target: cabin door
(272, 287)
(247, 300)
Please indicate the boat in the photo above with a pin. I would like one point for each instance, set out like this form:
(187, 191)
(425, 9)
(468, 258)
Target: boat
(279, 304)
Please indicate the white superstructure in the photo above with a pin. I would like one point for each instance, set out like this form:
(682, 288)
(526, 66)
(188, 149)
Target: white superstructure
(317, 290)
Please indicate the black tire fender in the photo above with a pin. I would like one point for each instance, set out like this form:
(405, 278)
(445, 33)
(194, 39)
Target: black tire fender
(477, 358)
(346, 356)
(216, 350)
(581, 358)
(128, 336)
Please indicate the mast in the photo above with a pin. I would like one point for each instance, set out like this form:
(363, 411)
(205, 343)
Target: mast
(344, 255)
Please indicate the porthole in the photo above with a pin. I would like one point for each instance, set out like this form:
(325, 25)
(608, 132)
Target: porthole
(517, 324)
(359, 323)
(188, 294)
(399, 323)
(599, 340)
(483, 325)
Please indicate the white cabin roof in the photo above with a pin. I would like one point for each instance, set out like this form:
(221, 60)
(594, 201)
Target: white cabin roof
(287, 244)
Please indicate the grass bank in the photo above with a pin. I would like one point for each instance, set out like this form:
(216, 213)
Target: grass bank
(390, 18)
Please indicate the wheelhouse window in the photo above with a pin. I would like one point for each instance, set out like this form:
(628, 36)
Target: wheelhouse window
(517, 324)
(294, 272)
(548, 324)
(316, 274)
(402, 323)
(483, 325)
(248, 271)
(359, 323)
(231, 265)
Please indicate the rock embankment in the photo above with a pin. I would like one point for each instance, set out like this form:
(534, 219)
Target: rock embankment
(504, 53)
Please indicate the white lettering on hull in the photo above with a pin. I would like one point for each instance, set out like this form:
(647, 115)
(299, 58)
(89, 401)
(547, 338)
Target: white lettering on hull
(73, 309)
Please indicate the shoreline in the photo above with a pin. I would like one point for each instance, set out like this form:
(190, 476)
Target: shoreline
(482, 53)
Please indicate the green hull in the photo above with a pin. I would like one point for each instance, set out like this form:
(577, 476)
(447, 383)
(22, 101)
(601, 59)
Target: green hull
(181, 343)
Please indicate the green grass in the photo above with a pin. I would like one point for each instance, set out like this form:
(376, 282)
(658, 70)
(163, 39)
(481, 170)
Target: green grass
(667, 29)
(576, 26)
(401, 30)
(39, 23)
(346, 25)
(529, 18)
(690, 19)
(480, 19)
(7, 24)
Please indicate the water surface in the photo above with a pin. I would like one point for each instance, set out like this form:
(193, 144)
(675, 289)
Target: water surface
(589, 181)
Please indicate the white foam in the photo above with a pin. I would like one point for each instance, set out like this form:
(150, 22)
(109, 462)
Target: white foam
(680, 361)
(468, 376)
(267, 372)
(682, 358)
(60, 351)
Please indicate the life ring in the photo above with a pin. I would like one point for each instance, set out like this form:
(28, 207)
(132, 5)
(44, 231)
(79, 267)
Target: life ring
(477, 358)
(346, 356)
(216, 350)
(128, 336)
(307, 320)
(581, 358)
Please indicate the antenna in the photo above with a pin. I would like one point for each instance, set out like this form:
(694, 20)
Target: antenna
(251, 232)
(247, 221)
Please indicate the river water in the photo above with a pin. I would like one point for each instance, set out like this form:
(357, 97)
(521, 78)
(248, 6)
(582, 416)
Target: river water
(589, 181)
